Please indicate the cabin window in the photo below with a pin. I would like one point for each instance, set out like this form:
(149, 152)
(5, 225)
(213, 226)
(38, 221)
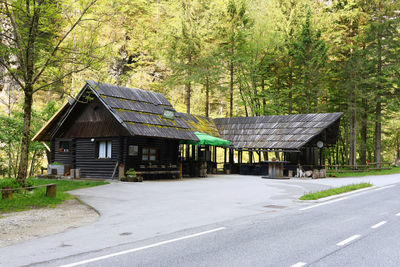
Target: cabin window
(105, 148)
(149, 154)
(64, 146)
(133, 150)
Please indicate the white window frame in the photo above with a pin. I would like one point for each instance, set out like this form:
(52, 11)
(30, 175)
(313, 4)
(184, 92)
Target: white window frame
(105, 149)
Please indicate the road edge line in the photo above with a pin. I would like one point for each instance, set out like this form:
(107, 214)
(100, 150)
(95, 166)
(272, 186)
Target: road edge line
(143, 248)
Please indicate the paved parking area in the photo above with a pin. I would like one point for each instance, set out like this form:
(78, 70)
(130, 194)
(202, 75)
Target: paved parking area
(137, 211)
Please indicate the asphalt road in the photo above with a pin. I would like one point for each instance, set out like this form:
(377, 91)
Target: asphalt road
(358, 230)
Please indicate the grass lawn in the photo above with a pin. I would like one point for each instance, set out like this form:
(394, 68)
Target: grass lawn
(334, 191)
(366, 173)
(23, 200)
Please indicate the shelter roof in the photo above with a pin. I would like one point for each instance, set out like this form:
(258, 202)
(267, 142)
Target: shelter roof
(277, 131)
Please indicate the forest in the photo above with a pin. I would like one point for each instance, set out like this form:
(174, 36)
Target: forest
(221, 58)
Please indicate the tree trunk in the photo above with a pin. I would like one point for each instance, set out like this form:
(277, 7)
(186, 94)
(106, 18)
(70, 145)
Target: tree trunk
(353, 111)
(188, 85)
(378, 132)
(264, 104)
(378, 108)
(244, 100)
(207, 87)
(290, 111)
(363, 148)
(353, 132)
(188, 93)
(32, 170)
(231, 88)
(23, 163)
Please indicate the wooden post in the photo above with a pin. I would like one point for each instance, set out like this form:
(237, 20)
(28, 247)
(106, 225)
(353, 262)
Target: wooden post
(231, 157)
(6, 193)
(180, 170)
(224, 156)
(51, 190)
(77, 173)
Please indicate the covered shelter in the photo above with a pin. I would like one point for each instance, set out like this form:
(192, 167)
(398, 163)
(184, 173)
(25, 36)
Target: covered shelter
(297, 139)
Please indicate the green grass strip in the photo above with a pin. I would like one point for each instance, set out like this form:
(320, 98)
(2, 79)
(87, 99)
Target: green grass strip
(24, 200)
(334, 191)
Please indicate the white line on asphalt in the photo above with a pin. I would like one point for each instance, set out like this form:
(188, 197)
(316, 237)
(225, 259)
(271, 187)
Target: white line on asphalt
(324, 203)
(299, 264)
(378, 224)
(385, 187)
(142, 248)
(348, 240)
(398, 214)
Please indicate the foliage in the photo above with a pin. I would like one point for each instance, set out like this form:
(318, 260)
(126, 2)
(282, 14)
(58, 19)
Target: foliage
(214, 58)
(350, 173)
(131, 173)
(57, 163)
(334, 191)
(36, 51)
(23, 200)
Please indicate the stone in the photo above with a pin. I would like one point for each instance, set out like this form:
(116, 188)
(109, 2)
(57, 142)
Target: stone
(308, 173)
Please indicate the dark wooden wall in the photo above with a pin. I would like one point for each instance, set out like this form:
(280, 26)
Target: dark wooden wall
(90, 120)
(63, 157)
(168, 151)
(86, 158)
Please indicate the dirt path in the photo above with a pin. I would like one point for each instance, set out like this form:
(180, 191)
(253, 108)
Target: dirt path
(25, 225)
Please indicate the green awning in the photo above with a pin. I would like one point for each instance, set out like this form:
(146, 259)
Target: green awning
(205, 139)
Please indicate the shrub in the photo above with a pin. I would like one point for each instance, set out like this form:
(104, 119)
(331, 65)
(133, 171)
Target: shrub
(131, 173)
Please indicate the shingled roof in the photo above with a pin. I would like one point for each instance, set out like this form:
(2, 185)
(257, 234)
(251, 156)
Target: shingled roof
(276, 132)
(200, 123)
(138, 111)
(141, 112)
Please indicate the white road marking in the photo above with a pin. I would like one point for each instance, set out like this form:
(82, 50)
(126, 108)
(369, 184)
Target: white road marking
(353, 195)
(348, 240)
(324, 203)
(385, 187)
(299, 264)
(378, 224)
(142, 248)
(398, 214)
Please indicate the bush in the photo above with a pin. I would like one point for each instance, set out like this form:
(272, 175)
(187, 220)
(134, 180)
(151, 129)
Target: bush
(131, 173)
(13, 182)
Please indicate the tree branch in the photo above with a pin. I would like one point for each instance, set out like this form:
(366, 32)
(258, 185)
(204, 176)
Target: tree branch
(11, 73)
(62, 40)
(60, 79)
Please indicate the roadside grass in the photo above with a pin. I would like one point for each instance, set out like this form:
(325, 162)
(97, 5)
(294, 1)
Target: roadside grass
(24, 200)
(350, 173)
(334, 191)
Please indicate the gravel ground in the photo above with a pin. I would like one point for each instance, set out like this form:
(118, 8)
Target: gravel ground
(25, 225)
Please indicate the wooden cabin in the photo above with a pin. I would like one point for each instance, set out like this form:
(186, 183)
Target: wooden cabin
(110, 129)
(109, 126)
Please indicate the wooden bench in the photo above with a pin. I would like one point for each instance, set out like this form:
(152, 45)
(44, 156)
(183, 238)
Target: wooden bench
(158, 172)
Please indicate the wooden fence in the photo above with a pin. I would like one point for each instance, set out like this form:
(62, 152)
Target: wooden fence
(6, 191)
(359, 168)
